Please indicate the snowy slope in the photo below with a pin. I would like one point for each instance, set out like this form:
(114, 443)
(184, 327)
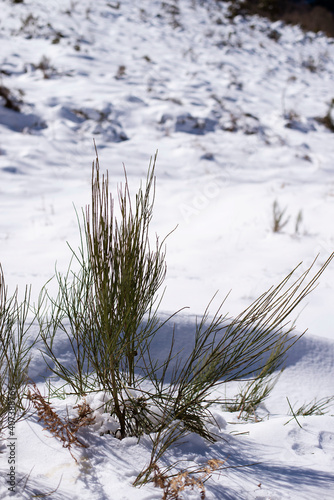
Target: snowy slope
(233, 108)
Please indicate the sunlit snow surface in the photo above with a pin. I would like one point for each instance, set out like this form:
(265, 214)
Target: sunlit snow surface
(232, 108)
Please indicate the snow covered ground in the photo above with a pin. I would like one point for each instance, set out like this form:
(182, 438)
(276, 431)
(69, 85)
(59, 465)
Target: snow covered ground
(235, 108)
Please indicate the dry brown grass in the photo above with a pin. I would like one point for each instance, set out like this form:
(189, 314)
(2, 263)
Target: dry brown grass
(66, 430)
(173, 486)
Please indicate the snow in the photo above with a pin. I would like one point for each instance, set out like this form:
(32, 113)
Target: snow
(232, 107)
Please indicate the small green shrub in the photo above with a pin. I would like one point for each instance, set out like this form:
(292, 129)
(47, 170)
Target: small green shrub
(45, 67)
(14, 355)
(279, 222)
(316, 407)
(328, 119)
(107, 309)
(10, 100)
(254, 392)
(121, 72)
(29, 24)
